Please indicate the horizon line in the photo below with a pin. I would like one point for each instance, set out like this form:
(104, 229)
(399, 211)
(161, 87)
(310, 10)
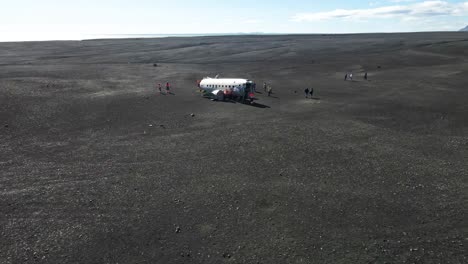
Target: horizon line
(187, 35)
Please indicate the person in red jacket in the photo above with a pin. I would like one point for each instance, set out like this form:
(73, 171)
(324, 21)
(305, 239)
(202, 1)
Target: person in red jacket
(168, 87)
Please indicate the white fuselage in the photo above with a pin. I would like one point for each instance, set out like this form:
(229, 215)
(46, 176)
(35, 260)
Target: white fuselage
(239, 87)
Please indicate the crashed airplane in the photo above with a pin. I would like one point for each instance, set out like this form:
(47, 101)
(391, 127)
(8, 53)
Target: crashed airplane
(228, 88)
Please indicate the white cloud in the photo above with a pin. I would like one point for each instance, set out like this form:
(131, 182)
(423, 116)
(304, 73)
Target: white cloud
(402, 1)
(422, 9)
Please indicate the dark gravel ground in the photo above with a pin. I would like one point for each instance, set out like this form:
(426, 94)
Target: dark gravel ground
(97, 167)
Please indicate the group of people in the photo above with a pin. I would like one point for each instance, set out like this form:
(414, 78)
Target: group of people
(235, 94)
(168, 88)
(308, 91)
(350, 76)
(267, 88)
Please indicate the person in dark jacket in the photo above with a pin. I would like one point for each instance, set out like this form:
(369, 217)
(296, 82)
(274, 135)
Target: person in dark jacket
(311, 92)
(306, 91)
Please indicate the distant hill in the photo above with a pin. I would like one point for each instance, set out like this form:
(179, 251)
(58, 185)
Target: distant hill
(464, 29)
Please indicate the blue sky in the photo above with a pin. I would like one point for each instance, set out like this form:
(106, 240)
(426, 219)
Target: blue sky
(54, 19)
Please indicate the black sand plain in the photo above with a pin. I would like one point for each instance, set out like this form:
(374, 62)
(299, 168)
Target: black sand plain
(98, 167)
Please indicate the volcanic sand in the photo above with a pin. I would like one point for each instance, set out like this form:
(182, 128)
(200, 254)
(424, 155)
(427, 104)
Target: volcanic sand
(98, 167)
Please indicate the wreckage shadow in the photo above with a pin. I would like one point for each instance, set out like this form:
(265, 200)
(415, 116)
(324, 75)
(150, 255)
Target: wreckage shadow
(255, 104)
(222, 101)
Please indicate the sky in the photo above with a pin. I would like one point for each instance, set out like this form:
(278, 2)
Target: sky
(66, 19)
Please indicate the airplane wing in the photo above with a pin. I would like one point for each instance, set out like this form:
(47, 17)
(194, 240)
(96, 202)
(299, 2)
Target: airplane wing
(219, 94)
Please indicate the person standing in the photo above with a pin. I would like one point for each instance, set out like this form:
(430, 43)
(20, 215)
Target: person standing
(346, 77)
(306, 91)
(168, 87)
(365, 76)
(159, 88)
(264, 86)
(245, 95)
(351, 76)
(311, 92)
(270, 90)
(236, 94)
